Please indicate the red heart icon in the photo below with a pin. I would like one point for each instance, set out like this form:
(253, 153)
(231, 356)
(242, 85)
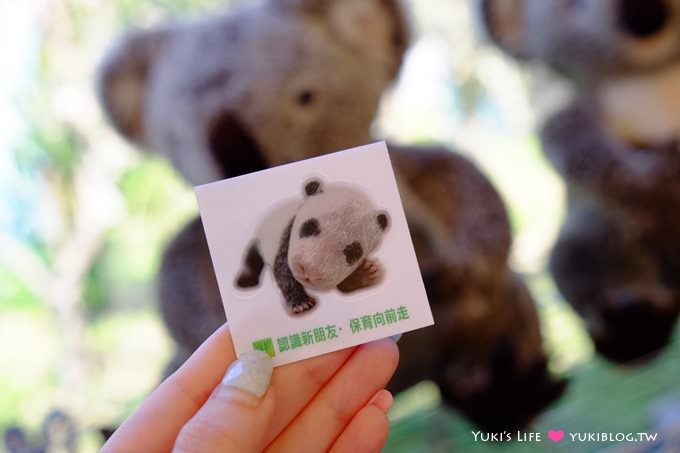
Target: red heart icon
(556, 435)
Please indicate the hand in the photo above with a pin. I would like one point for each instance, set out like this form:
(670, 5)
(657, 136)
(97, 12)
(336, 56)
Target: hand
(332, 402)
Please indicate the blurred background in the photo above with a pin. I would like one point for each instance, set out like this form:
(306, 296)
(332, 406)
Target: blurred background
(84, 217)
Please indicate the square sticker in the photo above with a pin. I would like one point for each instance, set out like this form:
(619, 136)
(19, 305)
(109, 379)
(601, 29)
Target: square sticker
(314, 256)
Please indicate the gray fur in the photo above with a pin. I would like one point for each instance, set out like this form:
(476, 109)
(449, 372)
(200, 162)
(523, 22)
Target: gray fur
(227, 74)
(583, 39)
(285, 80)
(479, 304)
(611, 261)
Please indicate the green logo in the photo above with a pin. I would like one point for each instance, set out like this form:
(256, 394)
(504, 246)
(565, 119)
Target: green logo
(266, 345)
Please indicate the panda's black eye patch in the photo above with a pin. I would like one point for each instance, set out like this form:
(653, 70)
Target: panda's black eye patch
(382, 221)
(353, 252)
(310, 228)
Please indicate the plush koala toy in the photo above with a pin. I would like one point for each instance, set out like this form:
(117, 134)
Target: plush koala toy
(617, 260)
(283, 80)
(322, 242)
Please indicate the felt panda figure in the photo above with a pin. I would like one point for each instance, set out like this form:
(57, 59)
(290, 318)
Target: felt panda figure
(321, 243)
(615, 143)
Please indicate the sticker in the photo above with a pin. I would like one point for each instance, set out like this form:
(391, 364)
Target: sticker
(314, 256)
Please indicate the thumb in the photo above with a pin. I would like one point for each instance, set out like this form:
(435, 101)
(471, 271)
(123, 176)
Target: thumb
(236, 416)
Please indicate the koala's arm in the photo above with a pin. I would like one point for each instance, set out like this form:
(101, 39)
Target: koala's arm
(190, 301)
(457, 219)
(588, 158)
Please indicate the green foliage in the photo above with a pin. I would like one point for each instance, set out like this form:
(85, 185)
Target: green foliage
(137, 12)
(15, 294)
(60, 133)
(158, 204)
(153, 190)
(97, 287)
(127, 352)
(31, 358)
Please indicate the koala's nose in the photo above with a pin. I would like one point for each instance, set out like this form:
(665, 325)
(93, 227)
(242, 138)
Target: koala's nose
(643, 18)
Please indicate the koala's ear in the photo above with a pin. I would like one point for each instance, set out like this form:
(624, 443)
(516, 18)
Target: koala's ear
(313, 186)
(378, 28)
(122, 80)
(383, 219)
(502, 20)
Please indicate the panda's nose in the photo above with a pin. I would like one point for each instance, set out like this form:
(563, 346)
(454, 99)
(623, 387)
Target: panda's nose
(299, 269)
(643, 18)
(302, 272)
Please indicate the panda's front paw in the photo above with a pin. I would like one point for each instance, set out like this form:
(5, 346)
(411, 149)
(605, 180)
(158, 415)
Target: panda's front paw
(373, 273)
(368, 274)
(297, 308)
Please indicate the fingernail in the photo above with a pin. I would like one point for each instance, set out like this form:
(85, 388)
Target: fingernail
(382, 400)
(252, 372)
(396, 337)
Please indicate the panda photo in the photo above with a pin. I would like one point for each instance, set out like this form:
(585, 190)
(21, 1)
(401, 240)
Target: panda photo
(321, 242)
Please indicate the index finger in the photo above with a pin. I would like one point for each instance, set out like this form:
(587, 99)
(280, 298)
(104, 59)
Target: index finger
(157, 422)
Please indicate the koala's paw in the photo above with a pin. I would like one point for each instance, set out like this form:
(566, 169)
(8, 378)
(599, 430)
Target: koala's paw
(469, 380)
(301, 307)
(369, 273)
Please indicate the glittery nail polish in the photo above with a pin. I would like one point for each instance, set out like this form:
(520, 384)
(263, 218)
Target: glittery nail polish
(252, 372)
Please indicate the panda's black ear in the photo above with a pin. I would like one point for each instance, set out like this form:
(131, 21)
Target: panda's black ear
(313, 187)
(383, 219)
